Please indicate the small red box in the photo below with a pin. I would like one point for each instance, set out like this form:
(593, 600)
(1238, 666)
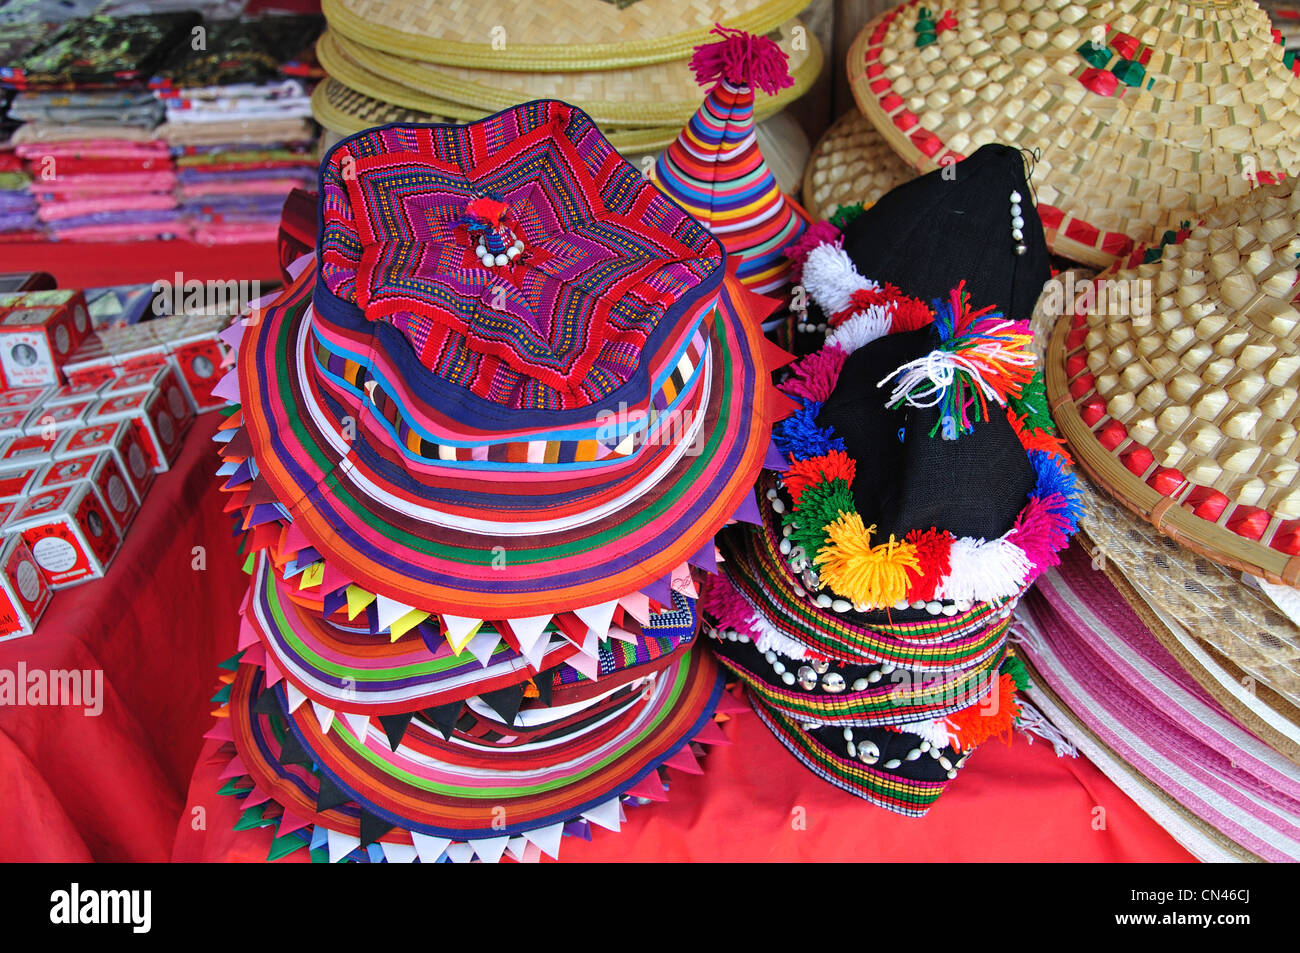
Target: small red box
(39, 334)
(24, 594)
(122, 442)
(17, 484)
(85, 391)
(23, 398)
(104, 474)
(23, 452)
(69, 533)
(11, 422)
(49, 422)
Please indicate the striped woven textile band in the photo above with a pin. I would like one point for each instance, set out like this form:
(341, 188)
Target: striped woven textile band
(756, 571)
(450, 787)
(863, 695)
(902, 795)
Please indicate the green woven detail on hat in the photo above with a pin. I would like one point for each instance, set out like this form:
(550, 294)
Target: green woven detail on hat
(1096, 55)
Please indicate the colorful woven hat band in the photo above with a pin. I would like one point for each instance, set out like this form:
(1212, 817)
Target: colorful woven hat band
(715, 169)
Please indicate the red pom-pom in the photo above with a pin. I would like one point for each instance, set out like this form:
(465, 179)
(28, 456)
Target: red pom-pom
(490, 210)
(830, 466)
(910, 314)
(933, 549)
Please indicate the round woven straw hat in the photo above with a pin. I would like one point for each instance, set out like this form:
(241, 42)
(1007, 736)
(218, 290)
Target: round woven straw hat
(1142, 114)
(561, 35)
(851, 163)
(651, 95)
(1176, 383)
(1228, 635)
(345, 111)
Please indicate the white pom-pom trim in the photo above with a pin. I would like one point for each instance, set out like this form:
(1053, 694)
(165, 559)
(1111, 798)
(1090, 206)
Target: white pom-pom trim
(863, 328)
(830, 278)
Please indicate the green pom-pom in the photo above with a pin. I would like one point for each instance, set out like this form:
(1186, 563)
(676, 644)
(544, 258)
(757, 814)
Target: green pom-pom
(820, 504)
(845, 214)
(1012, 666)
(1032, 404)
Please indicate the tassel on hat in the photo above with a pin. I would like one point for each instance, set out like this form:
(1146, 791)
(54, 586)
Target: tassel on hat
(715, 169)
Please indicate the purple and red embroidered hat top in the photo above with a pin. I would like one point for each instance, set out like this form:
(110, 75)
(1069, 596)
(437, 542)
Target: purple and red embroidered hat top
(522, 257)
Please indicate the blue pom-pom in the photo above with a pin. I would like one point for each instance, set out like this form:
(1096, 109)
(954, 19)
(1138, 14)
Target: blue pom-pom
(799, 437)
(1053, 477)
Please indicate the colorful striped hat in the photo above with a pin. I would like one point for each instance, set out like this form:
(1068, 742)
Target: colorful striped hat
(715, 169)
(482, 442)
(924, 491)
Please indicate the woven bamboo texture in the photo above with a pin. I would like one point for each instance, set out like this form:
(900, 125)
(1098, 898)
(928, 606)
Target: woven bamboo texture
(559, 35)
(1197, 396)
(653, 95)
(850, 163)
(1211, 103)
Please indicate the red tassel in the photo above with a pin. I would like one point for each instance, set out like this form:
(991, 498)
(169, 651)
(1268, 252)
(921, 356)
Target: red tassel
(742, 59)
(933, 549)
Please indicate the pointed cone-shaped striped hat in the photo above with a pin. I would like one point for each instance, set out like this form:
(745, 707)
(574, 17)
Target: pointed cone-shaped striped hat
(715, 169)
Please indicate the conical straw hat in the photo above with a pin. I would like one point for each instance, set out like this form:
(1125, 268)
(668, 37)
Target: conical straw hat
(1184, 404)
(558, 35)
(851, 163)
(651, 95)
(1142, 113)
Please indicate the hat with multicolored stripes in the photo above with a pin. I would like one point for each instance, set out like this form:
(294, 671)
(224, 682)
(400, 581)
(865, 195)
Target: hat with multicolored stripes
(483, 441)
(715, 169)
(924, 491)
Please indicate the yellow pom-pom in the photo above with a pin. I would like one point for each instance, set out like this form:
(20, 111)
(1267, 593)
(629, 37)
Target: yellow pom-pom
(866, 575)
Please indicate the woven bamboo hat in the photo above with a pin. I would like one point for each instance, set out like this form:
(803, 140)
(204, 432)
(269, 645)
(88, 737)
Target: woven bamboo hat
(656, 94)
(560, 35)
(851, 163)
(343, 111)
(1143, 113)
(1184, 404)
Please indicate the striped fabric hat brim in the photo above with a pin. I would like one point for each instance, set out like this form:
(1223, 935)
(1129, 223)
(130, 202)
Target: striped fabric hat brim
(363, 513)
(450, 788)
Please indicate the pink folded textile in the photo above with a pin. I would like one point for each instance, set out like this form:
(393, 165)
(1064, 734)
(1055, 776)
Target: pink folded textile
(137, 232)
(94, 148)
(54, 211)
(113, 183)
(247, 187)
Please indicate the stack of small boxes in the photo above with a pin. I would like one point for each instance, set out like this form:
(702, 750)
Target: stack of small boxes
(87, 419)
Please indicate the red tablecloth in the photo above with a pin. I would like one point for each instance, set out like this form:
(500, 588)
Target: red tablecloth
(1016, 802)
(111, 787)
(97, 264)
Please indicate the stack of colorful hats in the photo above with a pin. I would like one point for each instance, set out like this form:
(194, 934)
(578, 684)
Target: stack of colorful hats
(1143, 113)
(483, 443)
(923, 491)
(1174, 379)
(623, 63)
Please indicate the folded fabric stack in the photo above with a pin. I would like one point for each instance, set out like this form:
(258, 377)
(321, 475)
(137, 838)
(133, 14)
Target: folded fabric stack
(240, 130)
(88, 134)
(922, 491)
(624, 63)
(18, 220)
(1142, 113)
(484, 440)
